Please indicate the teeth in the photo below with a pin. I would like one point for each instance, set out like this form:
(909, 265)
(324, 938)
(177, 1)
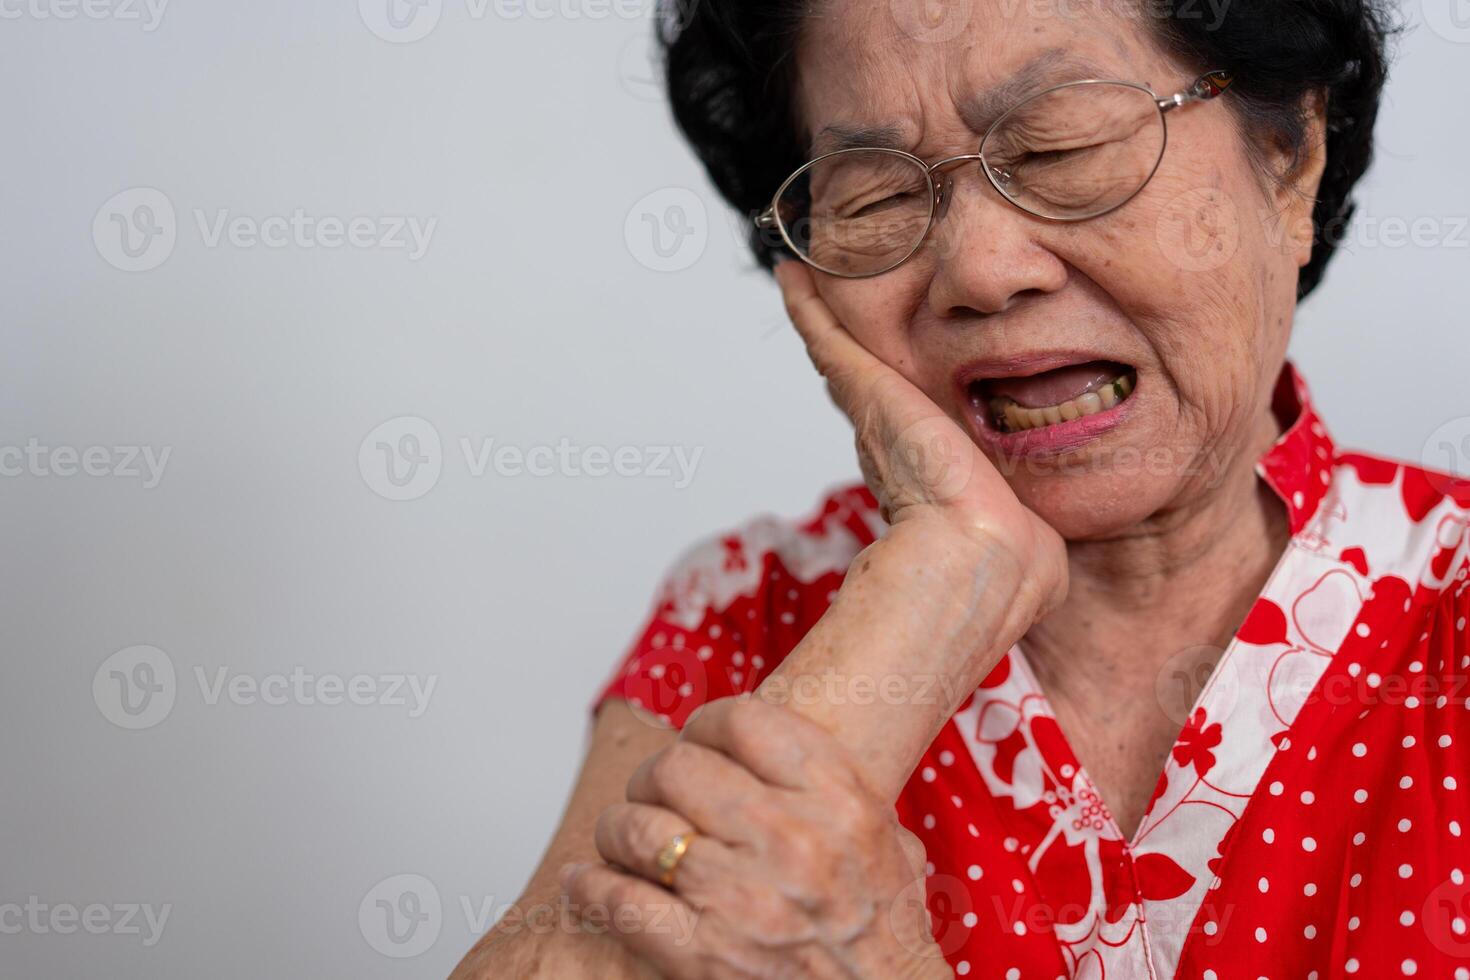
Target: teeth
(1011, 417)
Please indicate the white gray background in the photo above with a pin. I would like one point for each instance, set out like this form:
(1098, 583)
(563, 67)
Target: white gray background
(539, 312)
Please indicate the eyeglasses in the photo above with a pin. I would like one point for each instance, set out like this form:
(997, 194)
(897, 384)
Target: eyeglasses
(1068, 153)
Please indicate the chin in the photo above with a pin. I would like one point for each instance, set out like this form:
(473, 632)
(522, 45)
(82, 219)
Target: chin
(1092, 506)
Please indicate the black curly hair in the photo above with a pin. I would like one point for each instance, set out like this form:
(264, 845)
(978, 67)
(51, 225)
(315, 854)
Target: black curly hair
(730, 71)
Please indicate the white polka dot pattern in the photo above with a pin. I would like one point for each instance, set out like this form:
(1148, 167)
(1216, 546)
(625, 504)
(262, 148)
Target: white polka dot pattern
(1309, 821)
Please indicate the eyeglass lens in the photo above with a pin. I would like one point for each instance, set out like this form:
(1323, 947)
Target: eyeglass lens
(1067, 154)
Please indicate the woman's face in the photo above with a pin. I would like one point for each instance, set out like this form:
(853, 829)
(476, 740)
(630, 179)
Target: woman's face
(1188, 289)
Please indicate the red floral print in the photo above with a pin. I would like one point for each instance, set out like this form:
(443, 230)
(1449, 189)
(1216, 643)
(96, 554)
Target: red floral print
(1195, 743)
(1313, 817)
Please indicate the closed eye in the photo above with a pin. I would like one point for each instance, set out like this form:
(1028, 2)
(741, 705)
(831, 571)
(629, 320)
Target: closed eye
(884, 204)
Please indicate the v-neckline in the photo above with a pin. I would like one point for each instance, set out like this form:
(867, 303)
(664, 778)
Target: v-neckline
(1301, 436)
(1135, 903)
(1204, 702)
(1164, 870)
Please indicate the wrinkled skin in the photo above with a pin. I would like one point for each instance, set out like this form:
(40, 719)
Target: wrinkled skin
(800, 869)
(1193, 282)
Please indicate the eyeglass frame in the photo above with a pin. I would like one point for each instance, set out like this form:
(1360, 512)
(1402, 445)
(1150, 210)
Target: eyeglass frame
(1204, 88)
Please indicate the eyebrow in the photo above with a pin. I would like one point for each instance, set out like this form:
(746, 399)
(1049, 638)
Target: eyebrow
(1055, 66)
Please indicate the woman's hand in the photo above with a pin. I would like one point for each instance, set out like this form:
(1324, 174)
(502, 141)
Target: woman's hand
(797, 869)
(920, 463)
(928, 609)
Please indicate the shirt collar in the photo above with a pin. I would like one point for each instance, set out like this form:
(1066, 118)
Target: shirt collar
(1298, 466)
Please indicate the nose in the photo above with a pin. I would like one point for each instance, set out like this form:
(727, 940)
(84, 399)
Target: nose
(987, 255)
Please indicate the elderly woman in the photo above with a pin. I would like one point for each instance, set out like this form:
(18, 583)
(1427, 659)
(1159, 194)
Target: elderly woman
(1117, 666)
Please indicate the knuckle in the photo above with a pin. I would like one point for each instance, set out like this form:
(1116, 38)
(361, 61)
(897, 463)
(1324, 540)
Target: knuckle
(641, 832)
(853, 820)
(754, 814)
(749, 726)
(667, 769)
(607, 830)
(623, 898)
(808, 860)
(624, 832)
(850, 916)
(705, 719)
(767, 914)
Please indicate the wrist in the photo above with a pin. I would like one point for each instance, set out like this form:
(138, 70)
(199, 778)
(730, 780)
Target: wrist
(979, 590)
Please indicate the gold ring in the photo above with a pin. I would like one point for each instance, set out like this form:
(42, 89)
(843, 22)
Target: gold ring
(670, 855)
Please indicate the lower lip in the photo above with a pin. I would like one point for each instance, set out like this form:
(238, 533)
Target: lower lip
(1050, 440)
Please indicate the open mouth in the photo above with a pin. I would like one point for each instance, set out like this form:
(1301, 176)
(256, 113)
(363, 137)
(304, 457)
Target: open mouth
(1055, 397)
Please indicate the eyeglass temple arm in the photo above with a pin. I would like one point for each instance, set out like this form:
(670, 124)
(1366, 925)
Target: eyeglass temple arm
(1202, 89)
(766, 219)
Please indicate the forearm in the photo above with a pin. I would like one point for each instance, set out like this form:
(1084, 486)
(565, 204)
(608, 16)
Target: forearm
(924, 614)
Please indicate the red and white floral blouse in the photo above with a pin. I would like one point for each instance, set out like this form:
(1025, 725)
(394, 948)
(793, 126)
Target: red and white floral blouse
(1313, 817)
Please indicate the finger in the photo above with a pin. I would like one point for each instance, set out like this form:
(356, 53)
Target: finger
(701, 783)
(879, 400)
(633, 835)
(835, 353)
(649, 921)
(777, 744)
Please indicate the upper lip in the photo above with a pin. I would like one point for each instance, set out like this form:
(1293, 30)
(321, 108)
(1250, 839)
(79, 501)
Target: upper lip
(1024, 365)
